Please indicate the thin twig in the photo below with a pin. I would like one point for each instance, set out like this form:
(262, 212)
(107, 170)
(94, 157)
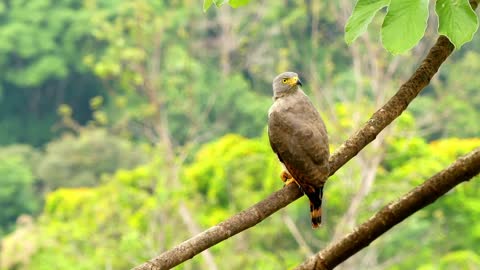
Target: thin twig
(297, 235)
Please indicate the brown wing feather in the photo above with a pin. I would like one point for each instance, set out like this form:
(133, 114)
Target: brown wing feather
(298, 136)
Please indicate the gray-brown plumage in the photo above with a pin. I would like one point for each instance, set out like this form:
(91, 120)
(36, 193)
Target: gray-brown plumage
(299, 138)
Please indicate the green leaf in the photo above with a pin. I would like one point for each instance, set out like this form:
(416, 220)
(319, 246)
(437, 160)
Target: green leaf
(207, 4)
(361, 17)
(457, 20)
(238, 3)
(404, 24)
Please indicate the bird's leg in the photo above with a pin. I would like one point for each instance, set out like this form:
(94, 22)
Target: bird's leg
(288, 179)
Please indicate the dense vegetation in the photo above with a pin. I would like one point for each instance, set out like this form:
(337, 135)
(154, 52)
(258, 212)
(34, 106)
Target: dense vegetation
(128, 126)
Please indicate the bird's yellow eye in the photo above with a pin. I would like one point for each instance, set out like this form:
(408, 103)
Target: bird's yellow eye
(285, 80)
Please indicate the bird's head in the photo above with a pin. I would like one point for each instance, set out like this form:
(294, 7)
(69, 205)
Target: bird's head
(284, 83)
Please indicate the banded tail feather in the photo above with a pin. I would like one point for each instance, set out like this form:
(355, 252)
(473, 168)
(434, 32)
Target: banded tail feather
(315, 196)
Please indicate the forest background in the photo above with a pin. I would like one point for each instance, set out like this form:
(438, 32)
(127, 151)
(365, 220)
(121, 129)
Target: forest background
(128, 127)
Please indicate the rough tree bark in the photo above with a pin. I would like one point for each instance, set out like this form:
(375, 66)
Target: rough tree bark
(461, 170)
(279, 199)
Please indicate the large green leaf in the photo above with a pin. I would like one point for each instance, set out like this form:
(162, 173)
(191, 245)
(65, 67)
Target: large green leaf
(457, 21)
(361, 17)
(404, 24)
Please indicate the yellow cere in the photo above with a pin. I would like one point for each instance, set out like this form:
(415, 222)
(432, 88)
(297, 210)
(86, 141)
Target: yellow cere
(290, 81)
(293, 80)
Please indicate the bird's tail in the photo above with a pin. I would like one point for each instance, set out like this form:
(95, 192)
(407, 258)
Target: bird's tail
(315, 196)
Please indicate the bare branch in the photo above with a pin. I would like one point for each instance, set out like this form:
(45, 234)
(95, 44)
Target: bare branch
(297, 235)
(347, 222)
(192, 226)
(461, 170)
(281, 198)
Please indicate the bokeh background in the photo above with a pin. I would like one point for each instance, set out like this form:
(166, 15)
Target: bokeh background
(127, 127)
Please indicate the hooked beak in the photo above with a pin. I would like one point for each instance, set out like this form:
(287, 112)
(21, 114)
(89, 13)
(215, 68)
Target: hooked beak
(296, 81)
(299, 82)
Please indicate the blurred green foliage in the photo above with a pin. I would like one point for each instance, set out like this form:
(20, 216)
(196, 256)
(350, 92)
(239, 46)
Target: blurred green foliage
(42, 43)
(127, 126)
(80, 161)
(111, 225)
(197, 97)
(17, 194)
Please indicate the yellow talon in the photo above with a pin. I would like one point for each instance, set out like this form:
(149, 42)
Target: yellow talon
(285, 176)
(291, 180)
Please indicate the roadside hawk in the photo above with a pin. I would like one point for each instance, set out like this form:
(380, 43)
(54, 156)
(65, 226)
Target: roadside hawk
(299, 138)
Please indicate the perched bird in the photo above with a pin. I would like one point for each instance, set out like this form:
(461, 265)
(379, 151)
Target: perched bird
(299, 138)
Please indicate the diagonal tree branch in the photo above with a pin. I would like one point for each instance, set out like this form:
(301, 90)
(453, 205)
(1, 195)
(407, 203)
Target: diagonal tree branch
(461, 170)
(281, 198)
(395, 106)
